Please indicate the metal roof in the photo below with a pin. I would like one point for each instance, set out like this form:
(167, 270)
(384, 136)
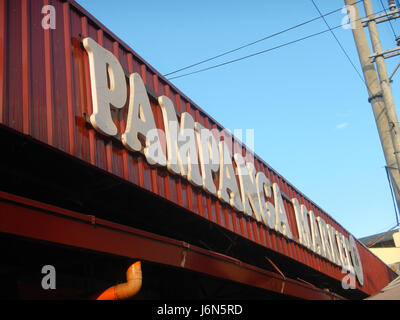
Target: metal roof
(384, 237)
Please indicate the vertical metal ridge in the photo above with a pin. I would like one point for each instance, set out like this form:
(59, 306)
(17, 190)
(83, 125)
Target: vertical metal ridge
(211, 213)
(141, 172)
(151, 80)
(88, 94)
(292, 218)
(254, 228)
(108, 143)
(189, 194)
(49, 82)
(135, 175)
(250, 230)
(120, 158)
(268, 240)
(145, 172)
(125, 161)
(208, 214)
(161, 181)
(179, 188)
(202, 200)
(26, 74)
(228, 218)
(170, 183)
(261, 235)
(3, 55)
(68, 74)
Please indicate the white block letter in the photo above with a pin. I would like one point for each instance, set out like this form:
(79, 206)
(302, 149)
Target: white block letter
(248, 187)
(182, 155)
(316, 237)
(209, 157)
(104, 65)
(141, 131)
(282, 223)
(355, 257)
(325, 238)
(303, 226)
(334, 247)
(266, 209)
(228, 189)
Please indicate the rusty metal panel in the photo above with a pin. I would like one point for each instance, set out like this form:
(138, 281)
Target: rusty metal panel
(45, 93)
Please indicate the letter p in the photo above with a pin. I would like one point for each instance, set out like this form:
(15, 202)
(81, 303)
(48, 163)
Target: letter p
(108, 86)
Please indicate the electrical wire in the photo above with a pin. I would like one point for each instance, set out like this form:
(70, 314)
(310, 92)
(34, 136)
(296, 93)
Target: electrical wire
(392, 193)
(337, 40)
(384, 229)
(258, 53)
(250, 55)
(254, 42)
(390, 22)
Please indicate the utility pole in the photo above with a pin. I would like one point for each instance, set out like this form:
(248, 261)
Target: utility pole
(379, 90)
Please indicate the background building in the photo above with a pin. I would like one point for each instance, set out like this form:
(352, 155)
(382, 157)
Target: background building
(386, 246)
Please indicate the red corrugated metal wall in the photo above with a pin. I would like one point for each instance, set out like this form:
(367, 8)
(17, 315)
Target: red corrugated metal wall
(45, 93)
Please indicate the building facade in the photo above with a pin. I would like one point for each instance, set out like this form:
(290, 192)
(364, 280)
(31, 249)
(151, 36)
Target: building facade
(386, 246)
(104, 163)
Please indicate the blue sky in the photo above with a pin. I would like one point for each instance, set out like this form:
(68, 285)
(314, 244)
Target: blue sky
(308, 107)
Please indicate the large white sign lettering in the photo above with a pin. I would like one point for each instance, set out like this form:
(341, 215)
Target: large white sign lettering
(202, 157)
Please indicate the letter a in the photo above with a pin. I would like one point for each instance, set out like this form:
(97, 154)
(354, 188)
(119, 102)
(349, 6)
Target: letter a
(49, 20)
(49, 280)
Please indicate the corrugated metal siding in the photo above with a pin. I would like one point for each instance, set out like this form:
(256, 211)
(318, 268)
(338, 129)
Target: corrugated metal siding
(45, 93)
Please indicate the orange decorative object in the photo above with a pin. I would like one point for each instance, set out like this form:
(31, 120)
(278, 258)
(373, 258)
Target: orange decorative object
(126, 290)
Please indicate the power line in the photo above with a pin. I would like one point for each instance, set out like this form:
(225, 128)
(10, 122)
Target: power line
(250, 55)
(390, 22)
(337, 40)
(258, 53)
(392, 193)
(254, 42)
